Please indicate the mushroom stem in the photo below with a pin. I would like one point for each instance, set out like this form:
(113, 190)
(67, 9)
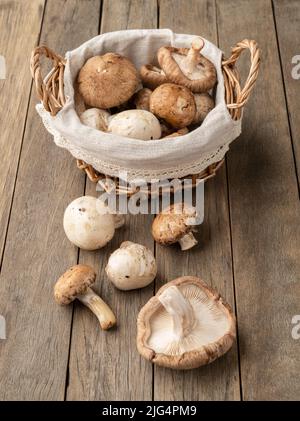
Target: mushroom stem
(187, 241)
(180, 309)
(192, 57)
(101, 310)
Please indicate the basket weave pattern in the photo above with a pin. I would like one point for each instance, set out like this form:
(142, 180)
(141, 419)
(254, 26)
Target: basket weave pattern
(51, 93)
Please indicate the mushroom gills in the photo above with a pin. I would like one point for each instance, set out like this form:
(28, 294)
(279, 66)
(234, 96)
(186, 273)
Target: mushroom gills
(186, 320)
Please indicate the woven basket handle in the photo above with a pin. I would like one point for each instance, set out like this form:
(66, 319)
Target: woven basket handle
(51, 89)
(236, 97)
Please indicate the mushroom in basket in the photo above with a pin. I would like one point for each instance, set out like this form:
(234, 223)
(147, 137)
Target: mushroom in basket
(176, 224)
(75, 283)
(107, 81)
(185, 325)
(152, 76)
(88, 223)
(188, 67)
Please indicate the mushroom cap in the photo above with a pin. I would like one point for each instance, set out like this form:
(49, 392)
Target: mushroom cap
(152, 76)
(204, 104)
(136, 124)
(173, 223)
(173, 103)
(75, 281)
(212, 335)
(88, 224)
(107, 81)
(96, 118)
(172, 59)
(131, 266)
(141, 99)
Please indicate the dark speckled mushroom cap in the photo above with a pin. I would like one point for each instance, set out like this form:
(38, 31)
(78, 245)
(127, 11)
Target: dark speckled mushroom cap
(73, 282)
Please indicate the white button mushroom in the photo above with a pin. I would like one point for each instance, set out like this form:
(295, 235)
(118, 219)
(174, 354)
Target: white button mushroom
(88, 223)
(131, 266)
(96, 118)
(136, 124)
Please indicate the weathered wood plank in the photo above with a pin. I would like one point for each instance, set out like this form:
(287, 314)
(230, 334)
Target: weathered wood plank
(211, 260)
(287, 14)
(33, 359)
(20, 23)
(106, 365)
(264, 216)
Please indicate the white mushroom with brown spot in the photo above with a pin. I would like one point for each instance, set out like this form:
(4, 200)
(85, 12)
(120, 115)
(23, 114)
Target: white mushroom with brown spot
(89, 224)
(107, 81)
(96, 118)
(185, 325)
(136, 124)
(131, 266)
(188, 67)
(176, 224)
(74, 284)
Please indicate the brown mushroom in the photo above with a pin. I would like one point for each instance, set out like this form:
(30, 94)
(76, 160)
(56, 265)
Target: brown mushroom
(152, 76)
(75, 283)
(175, 224)
(107, 81)
(141, 99)
(180, 132)
(188, 67)
(204, 104)
(185, 325)
(173, 103)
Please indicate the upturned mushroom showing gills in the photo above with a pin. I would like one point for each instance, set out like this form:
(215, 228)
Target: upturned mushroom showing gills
(185, 325)
(188, 67)
(136, 124)
(176, 224)
(173, 103)
(75, 283)
(152, 76)
(88, 223)
(107, 81)
(131, 266)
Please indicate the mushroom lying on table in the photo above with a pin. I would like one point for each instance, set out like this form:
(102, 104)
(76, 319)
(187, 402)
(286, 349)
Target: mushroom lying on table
(107, 81)
(185, 325)
(75, 283)
(188, 67)
(176, 224)
(173, 103)
(152, 76)
(131, 266)
(88, 223)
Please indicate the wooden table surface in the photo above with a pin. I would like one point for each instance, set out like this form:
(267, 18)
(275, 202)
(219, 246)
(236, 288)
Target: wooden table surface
(248, 244)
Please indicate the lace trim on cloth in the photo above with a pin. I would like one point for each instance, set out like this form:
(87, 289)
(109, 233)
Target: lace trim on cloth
(114, 170)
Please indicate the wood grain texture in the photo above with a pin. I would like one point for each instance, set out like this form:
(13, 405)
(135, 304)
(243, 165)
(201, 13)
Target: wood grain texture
(20, 23)
(211, 259)
(264, 216)
(33, 359)
(106, 365)
(287, 15)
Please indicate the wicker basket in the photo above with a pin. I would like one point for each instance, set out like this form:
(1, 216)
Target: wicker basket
(51, 93)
